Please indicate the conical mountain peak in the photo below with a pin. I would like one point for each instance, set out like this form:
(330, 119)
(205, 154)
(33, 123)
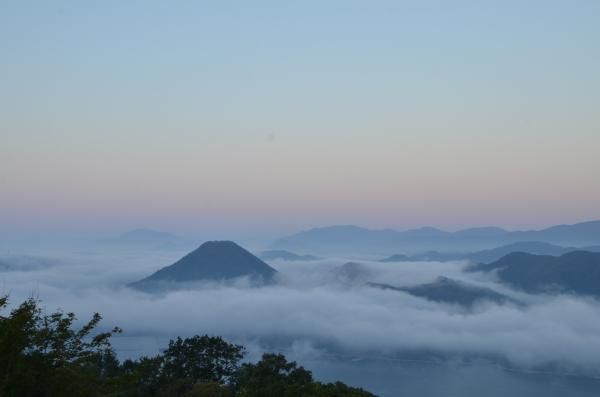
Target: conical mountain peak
(212, 261)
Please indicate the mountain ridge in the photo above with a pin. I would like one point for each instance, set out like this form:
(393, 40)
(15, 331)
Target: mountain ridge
(489, 255)
(343, 239)
(447, 290)
(286, 256)
(576, 272)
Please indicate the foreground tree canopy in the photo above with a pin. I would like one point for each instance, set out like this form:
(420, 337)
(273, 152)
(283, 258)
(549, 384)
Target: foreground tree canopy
(45, 356)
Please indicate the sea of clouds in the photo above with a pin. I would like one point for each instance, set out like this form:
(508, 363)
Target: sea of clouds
(322, 314)
(315, 308)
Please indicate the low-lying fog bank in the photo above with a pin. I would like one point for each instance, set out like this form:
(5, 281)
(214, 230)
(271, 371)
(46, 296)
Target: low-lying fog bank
(323, 314)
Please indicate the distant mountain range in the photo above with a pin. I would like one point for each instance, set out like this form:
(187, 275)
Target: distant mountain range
(575, 272)
(148, 239)
(489, 255)
(446, 290)
(212, 261)
(352, 240)
(286, 256)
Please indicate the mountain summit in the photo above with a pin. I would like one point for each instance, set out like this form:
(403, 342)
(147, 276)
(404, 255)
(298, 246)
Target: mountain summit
(212, 261)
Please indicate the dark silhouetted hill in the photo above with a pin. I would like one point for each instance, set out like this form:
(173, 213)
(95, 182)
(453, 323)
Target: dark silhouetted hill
(446, 290)
(399, 258)
(485, 256)
(212, 261)
(286, 256)
(530, 247)
(575, 272)
(429, 256)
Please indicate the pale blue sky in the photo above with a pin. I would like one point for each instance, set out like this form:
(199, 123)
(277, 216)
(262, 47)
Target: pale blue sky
(268, 117)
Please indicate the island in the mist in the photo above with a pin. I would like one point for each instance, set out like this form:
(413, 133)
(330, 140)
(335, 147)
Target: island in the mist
(447, 290)
(213, 261)
(272, 255)
(576, 272)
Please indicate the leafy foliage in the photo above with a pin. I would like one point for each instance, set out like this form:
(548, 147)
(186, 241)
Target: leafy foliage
(274, 376)
(45, 356)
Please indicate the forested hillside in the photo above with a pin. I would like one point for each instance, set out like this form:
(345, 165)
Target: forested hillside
(46, 356)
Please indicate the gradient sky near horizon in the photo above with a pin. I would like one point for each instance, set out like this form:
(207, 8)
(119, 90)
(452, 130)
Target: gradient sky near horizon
(269, 117)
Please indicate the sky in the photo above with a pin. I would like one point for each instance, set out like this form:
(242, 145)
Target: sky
(270, 117)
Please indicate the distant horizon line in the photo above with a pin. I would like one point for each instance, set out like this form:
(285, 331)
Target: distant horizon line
(391, 229)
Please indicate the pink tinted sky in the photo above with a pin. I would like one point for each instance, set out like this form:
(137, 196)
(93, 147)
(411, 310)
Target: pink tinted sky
(267, 119)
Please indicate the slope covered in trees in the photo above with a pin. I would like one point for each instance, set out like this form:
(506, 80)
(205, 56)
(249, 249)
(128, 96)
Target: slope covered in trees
(45, 356)
(576, 272)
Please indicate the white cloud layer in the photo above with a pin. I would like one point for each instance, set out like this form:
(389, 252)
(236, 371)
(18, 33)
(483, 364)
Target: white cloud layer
(316, 306)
